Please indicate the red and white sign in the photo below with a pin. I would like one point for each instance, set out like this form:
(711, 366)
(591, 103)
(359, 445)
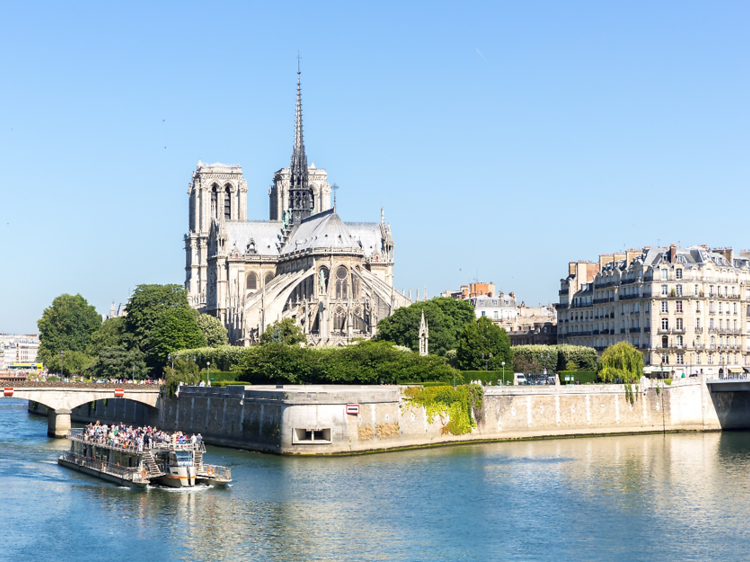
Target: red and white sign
(7, 392)
(119, 392)
(352, 409)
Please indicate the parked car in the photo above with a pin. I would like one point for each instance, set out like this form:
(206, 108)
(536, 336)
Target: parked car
(521, 378)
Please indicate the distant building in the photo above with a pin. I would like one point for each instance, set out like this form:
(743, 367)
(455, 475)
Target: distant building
(116, 311)
(500, 309)
(18, 348)
(687, 310)
(471, 290)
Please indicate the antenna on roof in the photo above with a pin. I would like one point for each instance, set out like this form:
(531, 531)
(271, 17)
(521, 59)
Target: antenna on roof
(335, 188)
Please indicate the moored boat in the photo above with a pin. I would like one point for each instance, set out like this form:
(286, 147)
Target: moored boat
(157, 462)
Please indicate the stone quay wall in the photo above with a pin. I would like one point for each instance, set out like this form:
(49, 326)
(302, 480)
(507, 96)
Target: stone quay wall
(352, 419)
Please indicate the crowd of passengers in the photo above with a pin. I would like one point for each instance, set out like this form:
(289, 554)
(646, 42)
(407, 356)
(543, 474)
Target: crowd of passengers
(129, 437)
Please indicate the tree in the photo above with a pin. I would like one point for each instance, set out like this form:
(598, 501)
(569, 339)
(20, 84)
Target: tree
(213, 330)
(622, 362)
(73, 363)
(112, 333)
(67, 325)
(526, 364)
(284, 331)
(116, 362)
(148, 303)
(482, 337)
(172, 329)
(445, 317)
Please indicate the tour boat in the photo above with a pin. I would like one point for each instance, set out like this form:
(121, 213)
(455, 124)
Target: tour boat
(175, 465)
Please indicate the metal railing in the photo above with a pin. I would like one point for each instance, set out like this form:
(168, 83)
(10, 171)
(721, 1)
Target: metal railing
(78, 434)
(131, 473)
(218, 471)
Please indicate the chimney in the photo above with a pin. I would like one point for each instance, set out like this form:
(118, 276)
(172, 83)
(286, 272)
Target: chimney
(571, 268)
(672, 253)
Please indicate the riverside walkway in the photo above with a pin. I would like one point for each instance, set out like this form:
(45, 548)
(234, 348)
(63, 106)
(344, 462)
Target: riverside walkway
(61, 397)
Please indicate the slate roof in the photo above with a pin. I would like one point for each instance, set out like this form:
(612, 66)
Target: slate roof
(321, 231)
(265, 234)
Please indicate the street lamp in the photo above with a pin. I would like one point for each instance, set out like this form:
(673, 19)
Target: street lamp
(503, 373)
(62, 364)
(208, 372)
(169, 356)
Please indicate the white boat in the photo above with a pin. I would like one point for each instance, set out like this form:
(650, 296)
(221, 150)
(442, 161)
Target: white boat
(175, 465)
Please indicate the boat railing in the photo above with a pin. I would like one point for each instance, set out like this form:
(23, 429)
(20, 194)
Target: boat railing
(131, 473)
(216, 471)
(77, 434)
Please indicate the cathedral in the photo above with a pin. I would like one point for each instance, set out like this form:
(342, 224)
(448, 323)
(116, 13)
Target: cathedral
(334, 278)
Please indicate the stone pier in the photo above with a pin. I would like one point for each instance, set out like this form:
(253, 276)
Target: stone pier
(58, 423)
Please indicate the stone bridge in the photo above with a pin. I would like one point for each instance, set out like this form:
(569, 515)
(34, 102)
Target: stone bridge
(61, 398)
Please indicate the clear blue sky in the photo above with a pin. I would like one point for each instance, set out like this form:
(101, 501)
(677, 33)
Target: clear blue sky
(503, 138)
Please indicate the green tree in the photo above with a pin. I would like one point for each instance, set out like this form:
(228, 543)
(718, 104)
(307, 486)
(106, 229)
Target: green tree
(213, 330)
(148, 303)
(112, 333)
(526, 364)
(185, 371)
(482, 337)
(73, 363)
(116, 362)
(621, 362)
(284, 331)
(67, 325)
(445, 318)
(172, 329)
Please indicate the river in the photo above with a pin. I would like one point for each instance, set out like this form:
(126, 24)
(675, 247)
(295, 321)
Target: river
(674, 497)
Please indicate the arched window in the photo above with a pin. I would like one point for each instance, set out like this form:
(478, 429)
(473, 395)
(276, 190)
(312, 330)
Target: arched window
(227, 203)
(215, 201)
(339, 320)
(342, 288)
(252, 282)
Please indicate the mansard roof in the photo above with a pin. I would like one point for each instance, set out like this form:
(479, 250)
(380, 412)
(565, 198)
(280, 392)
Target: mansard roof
(322, 231)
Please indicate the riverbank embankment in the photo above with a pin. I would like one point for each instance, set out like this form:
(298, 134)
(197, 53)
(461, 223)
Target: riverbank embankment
(330, 419)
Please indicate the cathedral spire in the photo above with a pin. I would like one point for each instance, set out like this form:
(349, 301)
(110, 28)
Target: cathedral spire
(300, 194)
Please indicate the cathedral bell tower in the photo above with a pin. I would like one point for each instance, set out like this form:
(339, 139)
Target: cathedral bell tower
(301, 202)
(217, 194)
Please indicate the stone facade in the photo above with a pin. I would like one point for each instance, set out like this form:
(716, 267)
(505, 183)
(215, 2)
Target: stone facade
(334, 279)
(687, 310)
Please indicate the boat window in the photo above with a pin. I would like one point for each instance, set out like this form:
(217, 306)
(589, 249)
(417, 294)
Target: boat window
(184, 458)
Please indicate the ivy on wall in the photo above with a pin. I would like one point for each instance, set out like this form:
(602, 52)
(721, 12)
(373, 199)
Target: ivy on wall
(461, 405)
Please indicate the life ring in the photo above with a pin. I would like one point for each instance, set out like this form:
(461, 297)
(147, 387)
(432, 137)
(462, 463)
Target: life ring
(210, 471)
(144, 473)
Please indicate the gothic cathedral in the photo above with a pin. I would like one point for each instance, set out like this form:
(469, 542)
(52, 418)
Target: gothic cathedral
(335, 279)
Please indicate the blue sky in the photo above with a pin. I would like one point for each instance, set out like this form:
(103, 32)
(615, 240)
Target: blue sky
(504, 139)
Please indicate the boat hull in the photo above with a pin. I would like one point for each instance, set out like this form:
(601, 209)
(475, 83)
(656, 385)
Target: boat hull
(102, 475)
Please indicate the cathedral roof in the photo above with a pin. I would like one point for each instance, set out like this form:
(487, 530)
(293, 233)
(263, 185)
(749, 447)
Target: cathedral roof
(265, 235)
(321, 231)
(368, 234)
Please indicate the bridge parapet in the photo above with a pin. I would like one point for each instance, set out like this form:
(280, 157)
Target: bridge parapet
(84, 385)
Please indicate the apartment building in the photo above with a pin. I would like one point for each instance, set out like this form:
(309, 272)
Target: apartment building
(687, 310)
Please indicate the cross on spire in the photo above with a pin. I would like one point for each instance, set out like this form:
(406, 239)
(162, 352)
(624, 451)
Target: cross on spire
(335, 188)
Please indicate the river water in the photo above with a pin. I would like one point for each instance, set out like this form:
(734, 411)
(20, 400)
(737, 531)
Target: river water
(679, 497)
